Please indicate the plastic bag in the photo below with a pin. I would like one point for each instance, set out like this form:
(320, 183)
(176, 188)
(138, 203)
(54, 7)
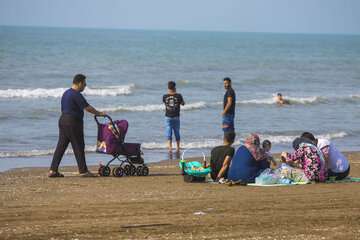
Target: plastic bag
(296, 175)
(267, 177)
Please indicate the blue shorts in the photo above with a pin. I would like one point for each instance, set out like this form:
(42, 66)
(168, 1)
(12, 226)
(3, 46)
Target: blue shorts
(172, 124)
(228, 120)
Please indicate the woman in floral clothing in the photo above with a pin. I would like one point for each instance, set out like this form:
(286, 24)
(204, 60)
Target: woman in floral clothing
(308, 157)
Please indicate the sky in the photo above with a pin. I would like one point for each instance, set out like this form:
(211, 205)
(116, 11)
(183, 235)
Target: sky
(286, 16)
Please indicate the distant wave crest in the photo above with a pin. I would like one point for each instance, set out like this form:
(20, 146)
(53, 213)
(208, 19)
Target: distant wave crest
(281, 139)
(293, 100)
(57, 92)
(39, 153)
(153, 107)
(210, 143)
(206, 143)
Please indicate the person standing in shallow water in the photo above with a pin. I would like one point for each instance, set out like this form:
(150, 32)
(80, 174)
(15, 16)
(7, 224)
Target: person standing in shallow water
(228, 113)
(71, 127)
(172, 101)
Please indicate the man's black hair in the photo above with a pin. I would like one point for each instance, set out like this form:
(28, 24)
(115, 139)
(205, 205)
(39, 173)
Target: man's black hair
(279, 94)
(230, 136)
(308, 135)
(227, 79)
(79, 78)
(266, 143)
(171, 85)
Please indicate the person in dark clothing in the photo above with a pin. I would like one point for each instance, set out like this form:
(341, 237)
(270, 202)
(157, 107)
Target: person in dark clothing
(71, 127)
(172, 101)
(221, 156)
(228, 113)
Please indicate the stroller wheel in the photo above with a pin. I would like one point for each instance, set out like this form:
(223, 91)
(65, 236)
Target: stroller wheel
(127, 170)
(118, 172)
(132, 170)
(145, 171)
(139, 171)
(104, 171)
(100, 170)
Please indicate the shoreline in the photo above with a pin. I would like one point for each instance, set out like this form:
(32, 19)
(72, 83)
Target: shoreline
(160, 162)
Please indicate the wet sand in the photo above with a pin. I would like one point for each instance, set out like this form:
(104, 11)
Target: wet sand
(162, 206)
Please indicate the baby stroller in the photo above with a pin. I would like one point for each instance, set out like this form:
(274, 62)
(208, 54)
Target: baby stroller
(110, 140)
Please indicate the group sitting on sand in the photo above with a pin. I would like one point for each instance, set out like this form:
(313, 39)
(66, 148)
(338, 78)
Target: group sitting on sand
(319, 159)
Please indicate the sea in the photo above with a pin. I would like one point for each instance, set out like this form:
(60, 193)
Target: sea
(127, 73)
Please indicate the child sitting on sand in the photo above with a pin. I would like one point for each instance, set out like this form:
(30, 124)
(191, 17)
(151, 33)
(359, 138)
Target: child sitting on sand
(266, 145)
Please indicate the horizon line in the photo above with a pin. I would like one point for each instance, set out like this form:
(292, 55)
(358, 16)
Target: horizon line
(179, 30)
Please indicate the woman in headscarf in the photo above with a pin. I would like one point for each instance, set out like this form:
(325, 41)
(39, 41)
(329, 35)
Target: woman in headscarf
(308, 157)
(249, 161)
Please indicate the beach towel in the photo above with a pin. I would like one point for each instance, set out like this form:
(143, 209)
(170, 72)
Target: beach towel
(345, 180)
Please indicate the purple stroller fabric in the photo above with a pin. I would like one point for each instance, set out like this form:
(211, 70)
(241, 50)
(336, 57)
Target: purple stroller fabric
(109, 140)
(129, 149)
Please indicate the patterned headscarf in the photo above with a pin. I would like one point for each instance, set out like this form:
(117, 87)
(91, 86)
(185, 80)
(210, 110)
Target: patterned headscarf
(252, 143)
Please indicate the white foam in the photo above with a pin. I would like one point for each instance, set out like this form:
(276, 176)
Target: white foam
(110, 90)
(304, 100)
(58, 92)
(38, 153)
(281, 139)
(258, 101)
(208, 143)
(152, 107)
(201, 144)
(272, 100)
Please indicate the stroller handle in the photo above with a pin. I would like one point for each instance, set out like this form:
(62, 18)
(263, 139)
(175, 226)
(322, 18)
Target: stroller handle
(102, 116)
(106, 117)
(183, 154)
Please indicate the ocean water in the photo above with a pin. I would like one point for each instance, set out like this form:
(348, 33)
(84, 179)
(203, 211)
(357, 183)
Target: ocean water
(128, 71)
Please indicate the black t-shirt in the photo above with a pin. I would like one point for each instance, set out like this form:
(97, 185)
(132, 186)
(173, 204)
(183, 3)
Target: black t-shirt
(230, 93)
(172, 104)
(218, 155)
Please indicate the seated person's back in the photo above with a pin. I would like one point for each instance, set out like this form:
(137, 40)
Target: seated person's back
(243, 166)
(221, 157)
(218, 155)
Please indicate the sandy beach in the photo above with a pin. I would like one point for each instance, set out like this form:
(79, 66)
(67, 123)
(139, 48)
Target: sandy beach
(162, 206)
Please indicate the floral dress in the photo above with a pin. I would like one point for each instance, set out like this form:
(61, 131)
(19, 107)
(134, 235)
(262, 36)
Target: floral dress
(311, 160)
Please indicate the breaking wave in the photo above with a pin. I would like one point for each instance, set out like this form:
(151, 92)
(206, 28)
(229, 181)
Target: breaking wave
(153, 107)
(58, 92)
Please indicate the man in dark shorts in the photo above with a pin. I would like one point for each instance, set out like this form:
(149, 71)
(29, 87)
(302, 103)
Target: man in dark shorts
(71, 127)
(221, 157)
(228, 112)
(172, 101)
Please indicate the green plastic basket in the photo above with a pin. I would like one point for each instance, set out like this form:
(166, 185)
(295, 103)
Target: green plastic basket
(193, 168)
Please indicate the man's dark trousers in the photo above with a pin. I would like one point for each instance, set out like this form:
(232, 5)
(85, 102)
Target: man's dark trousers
(71, 130)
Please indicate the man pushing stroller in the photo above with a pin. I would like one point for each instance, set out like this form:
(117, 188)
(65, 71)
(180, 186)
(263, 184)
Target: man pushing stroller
(71, 127)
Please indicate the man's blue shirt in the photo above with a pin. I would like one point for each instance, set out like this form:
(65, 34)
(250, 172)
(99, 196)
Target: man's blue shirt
(73, 103)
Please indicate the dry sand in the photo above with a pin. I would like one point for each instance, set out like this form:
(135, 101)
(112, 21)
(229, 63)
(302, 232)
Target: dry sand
(162, 206)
